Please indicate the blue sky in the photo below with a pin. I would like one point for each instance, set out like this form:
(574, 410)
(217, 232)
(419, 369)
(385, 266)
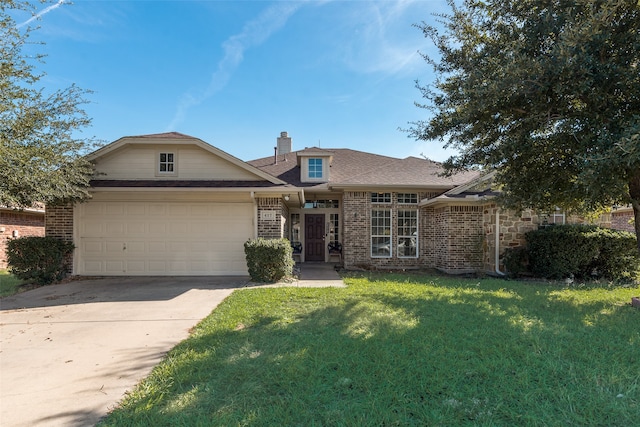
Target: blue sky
(335, 74)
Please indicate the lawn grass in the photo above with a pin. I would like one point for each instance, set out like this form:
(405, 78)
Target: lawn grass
(402, 350)
(9, 284)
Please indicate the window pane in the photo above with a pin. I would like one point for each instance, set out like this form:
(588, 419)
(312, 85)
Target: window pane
(315, 168)
(380, 197)
(408, 198)
(381, 233)
(163, 157)
(408, 233)
(381, 246)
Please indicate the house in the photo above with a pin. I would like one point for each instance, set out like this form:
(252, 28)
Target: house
(171, 204)
(16, 223)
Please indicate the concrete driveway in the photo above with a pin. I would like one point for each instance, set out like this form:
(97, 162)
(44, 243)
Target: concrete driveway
(69, 352)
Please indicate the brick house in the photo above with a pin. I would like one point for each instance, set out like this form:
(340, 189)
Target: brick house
(171, 204)
(16, 223)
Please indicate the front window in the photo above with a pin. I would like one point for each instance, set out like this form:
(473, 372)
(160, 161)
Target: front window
(295, 227)
(380, 197)
(408, 198)
(381, 233)
(315, 168)
(407, 233)
(334, 234)
(166, 163)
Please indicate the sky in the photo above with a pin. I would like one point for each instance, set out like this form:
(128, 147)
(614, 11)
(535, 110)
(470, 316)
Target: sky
(333, 74)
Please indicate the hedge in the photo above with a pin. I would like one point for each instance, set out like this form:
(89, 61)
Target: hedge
(269, 260)
(580, 251)
(38, 259)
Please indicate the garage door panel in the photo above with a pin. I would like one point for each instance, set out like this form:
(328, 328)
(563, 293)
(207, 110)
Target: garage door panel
(153, 238)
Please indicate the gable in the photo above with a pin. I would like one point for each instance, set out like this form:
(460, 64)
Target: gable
(178, 157)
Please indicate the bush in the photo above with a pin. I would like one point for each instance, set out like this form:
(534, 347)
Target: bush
(516, 261)
(38, 259)
(582, 251)
(269, 260)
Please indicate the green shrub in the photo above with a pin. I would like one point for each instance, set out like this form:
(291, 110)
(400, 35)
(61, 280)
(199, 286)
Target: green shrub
(269, 260)
(516, 261)
(38, 259)
(582, 251)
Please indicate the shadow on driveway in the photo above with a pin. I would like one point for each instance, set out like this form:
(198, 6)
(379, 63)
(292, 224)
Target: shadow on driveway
(69, 352)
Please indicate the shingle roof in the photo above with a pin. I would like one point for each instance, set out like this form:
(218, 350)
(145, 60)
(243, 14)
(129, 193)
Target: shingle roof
(358, 168)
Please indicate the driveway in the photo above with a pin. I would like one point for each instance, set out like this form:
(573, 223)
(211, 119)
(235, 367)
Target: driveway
(69, 352)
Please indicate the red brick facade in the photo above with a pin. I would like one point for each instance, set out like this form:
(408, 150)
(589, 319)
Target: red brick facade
(622, 220)
(15, 224)
(272, 218)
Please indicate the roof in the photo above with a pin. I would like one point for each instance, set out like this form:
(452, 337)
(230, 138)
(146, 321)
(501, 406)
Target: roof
(352, 168)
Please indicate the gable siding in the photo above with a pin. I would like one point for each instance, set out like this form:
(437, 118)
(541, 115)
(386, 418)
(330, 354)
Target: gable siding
(139, 162)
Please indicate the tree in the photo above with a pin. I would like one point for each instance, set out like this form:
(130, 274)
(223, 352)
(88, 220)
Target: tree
(545, 92)
(40, 159)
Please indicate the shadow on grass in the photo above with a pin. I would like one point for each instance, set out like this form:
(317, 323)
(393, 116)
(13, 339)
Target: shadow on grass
(401, 354)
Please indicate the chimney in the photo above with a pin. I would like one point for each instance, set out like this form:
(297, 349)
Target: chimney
(284, 143)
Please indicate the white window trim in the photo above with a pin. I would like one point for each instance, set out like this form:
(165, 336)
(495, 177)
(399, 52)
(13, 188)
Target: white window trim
(390, 236)
(417, 236)
(175, 164)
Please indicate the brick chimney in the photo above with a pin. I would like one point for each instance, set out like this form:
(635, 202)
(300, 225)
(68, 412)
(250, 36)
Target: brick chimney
(284, 143)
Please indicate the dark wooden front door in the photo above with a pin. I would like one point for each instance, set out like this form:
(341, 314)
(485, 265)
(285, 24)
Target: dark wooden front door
(314, 237)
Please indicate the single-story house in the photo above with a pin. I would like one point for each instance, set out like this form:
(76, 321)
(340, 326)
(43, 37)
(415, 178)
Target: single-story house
(16, 223)
(171, 204)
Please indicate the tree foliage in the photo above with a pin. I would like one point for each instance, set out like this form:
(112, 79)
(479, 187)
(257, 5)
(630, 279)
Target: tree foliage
(40, 158)
(546, 92)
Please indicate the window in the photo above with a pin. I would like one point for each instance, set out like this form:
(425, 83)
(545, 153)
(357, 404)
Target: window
(166, 163)
(407, 233)
(322, 204)
(380, 197)
(295, 227)
(334, 234)
(315, 168)
(408, 198)
(381, 233)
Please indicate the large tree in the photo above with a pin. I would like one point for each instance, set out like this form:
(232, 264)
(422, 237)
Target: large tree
(545, 92)
(41, 161)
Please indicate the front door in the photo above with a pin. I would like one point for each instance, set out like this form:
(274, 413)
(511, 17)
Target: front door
(314, 237)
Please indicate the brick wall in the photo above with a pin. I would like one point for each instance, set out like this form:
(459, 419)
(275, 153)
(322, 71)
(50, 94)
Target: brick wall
(272, 228)
(356, 215)
(23, 223)
(622, 221)
(458, 238)
(512, 232)
(59, 224)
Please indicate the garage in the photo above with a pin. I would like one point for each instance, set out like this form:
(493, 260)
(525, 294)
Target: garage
(128, 236)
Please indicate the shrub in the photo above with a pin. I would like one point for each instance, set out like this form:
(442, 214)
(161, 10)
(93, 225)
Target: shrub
(516, 260)
(582, 251)
(269, 260)
(38, 259)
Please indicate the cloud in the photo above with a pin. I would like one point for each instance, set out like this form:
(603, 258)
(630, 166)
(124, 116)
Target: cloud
(383, 39)
(254, 33)
(42, 13)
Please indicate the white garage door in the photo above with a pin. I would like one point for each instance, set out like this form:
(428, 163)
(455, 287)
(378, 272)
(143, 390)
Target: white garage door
(162, 238)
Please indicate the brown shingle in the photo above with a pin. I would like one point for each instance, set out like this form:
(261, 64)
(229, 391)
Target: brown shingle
(351, 167)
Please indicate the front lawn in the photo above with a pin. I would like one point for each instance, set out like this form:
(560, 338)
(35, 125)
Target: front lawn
(402, 350)
(9, 284)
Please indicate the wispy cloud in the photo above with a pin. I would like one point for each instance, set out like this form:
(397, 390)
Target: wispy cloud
(383, 39)
(254, 33)
(42, 13)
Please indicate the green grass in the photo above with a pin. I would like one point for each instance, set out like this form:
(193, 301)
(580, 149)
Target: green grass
(402, 350)
(9, 284)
